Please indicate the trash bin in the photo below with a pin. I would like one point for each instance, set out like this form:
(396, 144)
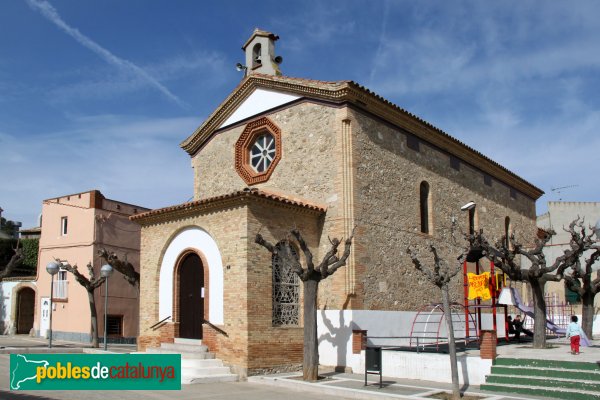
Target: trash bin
(373, 363)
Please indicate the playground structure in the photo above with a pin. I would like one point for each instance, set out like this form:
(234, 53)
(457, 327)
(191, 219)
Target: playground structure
(484, 293)
(429, 328)
(483, 286)
(557, 311)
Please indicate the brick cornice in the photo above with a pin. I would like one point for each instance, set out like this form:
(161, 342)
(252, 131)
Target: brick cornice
(236, 199)
(362, 98)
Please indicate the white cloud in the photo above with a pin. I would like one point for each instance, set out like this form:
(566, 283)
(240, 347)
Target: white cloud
(126, 157)
(48, 11)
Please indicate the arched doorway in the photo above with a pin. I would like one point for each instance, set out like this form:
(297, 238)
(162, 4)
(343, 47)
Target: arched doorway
(191, 296)
(25, 309)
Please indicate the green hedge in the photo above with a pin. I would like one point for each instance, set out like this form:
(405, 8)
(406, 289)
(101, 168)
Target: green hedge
(30, 250)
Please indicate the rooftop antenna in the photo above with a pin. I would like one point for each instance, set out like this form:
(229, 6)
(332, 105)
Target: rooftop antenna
(559, 190)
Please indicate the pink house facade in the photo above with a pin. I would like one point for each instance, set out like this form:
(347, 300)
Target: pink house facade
(74, 228)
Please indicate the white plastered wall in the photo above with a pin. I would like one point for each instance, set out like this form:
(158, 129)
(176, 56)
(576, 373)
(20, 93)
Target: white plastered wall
(197, 239)
(335, 346)
(259, 101)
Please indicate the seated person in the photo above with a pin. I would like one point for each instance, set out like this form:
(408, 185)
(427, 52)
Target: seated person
(518, 328)
(511, 328)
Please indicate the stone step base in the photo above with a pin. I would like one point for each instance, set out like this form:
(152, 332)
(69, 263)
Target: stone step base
(195, 342)
(190, 380)
(198, 356)
(184, 347)
(197, 364)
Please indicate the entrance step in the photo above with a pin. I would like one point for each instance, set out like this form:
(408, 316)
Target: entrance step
(197, 342)
(184, 355)
(182, 347)
(548, 378)
(185, 380)
(197, 364)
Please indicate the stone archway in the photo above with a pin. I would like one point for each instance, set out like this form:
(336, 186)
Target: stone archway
(25, 310)
(200, 242)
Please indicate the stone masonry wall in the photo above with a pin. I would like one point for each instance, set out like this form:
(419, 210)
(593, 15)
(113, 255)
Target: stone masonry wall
(308, 170)
(274, 348)
(387, 180)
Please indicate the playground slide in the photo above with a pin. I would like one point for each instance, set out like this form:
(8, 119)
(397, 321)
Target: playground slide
(511, 297)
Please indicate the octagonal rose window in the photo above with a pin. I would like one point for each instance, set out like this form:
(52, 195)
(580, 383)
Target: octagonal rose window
(257, 151)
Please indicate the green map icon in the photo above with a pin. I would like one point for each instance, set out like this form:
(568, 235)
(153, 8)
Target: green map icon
(23, 369)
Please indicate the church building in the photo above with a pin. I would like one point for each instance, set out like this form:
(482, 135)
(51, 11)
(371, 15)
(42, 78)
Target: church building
(323, 157)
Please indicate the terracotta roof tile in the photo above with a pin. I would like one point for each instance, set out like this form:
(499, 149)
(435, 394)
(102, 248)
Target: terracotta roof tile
(346, 91)
(237, 195)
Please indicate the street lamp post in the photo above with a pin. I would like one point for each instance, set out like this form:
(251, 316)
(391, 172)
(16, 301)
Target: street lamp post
(52, 267)
(106, 271)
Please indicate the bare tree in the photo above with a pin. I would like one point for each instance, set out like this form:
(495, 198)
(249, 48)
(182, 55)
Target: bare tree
(122, 266)
(440, 274)
(311, 276)
(581, 279)
(14, 262)
(507, 254)
(90, 285)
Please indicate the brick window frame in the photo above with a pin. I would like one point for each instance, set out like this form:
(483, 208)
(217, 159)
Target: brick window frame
(242, 150)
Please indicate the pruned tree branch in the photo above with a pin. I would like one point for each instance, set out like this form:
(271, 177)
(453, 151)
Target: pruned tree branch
(440, 274)
(16, 260)
(285, 253)
(310, 277)
(261, 241)
(329, 264)
(310, 266)
(90, 283)
(333, 262)
(568, 266)
(123, 266)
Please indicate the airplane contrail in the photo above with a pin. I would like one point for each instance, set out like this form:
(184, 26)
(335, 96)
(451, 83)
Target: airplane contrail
(48, 11)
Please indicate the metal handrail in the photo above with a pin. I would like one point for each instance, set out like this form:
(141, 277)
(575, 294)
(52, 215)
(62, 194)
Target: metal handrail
(216, 328)
(159, 322)
(423, 342)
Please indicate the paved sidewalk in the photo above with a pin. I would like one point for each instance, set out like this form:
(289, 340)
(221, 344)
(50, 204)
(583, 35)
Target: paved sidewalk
(352, 386)
(29, 344)
(335, 386)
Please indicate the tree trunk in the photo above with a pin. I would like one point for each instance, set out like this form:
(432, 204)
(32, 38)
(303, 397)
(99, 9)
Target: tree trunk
(539, 313)
(311, 344)
(94, 319)
(587, 313)
(451, 342)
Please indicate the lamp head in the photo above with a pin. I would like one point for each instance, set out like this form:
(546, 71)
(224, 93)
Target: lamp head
(240, 67)
(52, 267)
(106, 270)
(469, 206)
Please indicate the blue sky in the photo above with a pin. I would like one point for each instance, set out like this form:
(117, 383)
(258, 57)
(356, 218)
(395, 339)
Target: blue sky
(99, 94)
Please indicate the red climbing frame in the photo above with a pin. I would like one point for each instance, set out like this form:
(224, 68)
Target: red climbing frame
(494, 290)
